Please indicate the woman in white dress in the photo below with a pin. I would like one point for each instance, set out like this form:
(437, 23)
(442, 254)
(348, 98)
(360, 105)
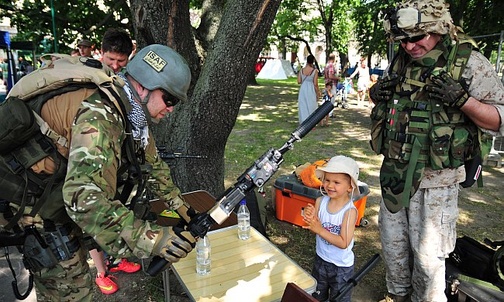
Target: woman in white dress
(309, 91)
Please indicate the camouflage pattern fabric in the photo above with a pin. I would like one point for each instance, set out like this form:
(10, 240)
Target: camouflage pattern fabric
(68, 281)
(400, 178)
(439, 22)
(392, 181)
(90, 184)
(97, 134)
(406, 231)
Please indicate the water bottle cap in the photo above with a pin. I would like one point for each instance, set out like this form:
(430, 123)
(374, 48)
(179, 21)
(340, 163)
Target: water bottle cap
(243, 202)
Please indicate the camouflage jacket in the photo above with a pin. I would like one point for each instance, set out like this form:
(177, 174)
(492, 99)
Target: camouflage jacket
(486, 87)
(95, 130)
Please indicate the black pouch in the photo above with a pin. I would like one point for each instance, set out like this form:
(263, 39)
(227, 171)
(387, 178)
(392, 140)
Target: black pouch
(474, 259)
(473, 171)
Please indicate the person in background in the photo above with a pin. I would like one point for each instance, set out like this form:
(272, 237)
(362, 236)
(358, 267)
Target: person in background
(75, 52)
(5, 70)
(85, 48)
(333, 220)
(331, 73)
(362, 83)
(431, 117)
(374, 79)
(116, 47)
(309, 91)
(327, 96)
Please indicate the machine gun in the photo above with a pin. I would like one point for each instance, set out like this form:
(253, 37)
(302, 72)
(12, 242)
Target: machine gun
(166, 156)
(255, 176)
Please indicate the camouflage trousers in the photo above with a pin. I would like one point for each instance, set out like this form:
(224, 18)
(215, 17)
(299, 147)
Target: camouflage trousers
(415, 242)
(69, 280)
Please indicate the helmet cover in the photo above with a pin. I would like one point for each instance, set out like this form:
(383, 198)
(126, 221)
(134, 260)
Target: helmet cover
(158, 66)
(418, 17)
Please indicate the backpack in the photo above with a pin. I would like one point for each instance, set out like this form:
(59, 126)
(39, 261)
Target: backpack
(307, 174)
(25, 138)
(478, 260)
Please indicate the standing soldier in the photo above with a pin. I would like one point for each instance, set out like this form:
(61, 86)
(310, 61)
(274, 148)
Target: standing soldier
(435, 113)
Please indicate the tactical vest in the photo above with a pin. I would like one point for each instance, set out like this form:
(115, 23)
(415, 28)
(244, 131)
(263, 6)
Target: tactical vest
(25, 137)
(414, 132)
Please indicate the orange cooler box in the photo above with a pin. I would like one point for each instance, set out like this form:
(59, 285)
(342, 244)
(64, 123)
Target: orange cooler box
(292, 196)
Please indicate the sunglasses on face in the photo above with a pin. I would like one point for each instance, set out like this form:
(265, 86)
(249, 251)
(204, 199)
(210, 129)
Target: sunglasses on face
(412, 39)
(169, 99)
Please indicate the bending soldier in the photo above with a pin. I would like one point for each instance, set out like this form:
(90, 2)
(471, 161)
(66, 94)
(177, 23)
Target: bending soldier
(104, 142)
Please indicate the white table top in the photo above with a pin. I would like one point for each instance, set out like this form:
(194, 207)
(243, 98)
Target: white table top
(242, 270)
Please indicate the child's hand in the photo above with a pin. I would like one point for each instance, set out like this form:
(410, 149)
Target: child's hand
(309, 212)
(311, 219)
(313, 224)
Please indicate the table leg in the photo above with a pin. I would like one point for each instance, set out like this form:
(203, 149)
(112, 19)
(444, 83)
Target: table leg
(166, 284)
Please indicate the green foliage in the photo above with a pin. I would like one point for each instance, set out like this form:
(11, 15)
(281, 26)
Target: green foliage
(313, 20)
(369, 30)
(73, 20)
(289, 22)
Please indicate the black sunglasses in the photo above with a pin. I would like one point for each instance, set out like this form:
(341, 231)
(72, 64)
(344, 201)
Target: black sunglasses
(169, 99)
(412, 39)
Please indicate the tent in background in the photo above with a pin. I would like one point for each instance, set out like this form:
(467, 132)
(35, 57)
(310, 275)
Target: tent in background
(276, 70)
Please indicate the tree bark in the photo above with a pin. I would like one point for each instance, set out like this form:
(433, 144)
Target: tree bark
(221, 62)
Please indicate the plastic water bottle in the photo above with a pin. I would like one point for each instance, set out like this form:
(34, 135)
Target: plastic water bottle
(243, 221)
(203, 251)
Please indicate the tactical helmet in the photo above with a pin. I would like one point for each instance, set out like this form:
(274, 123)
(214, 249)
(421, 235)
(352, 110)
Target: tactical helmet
(418, 17)
(160, 67)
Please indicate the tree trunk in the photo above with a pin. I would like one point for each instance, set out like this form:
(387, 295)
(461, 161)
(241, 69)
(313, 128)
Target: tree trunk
(202, 125)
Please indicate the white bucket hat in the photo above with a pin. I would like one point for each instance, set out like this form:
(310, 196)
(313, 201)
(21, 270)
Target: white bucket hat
(341, 164)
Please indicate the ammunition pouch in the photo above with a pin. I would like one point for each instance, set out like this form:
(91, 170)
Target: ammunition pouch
(37, 253)
(46, 251)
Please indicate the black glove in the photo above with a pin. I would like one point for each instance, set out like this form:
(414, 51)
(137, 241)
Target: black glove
(445, 89)
(383, 90)
(173, 243)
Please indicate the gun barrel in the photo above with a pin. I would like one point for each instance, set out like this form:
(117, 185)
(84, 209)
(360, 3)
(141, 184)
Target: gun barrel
(168, 156)
(313, 119)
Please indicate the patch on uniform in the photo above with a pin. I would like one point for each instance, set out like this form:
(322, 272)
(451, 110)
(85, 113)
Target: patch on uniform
(155, 61)
(169, 214)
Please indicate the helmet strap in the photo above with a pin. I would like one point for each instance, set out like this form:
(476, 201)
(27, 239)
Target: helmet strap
(144, 102)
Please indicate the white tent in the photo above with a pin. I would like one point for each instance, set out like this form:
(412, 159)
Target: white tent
(276, 70)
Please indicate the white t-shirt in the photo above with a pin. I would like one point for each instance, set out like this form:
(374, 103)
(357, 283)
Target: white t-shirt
(332, 222)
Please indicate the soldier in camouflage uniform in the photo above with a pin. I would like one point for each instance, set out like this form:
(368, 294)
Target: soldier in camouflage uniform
(431, 109)
(155, 80)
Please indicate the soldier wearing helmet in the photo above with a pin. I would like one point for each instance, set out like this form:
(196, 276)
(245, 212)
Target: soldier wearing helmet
(107, 139)
(435, 112)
